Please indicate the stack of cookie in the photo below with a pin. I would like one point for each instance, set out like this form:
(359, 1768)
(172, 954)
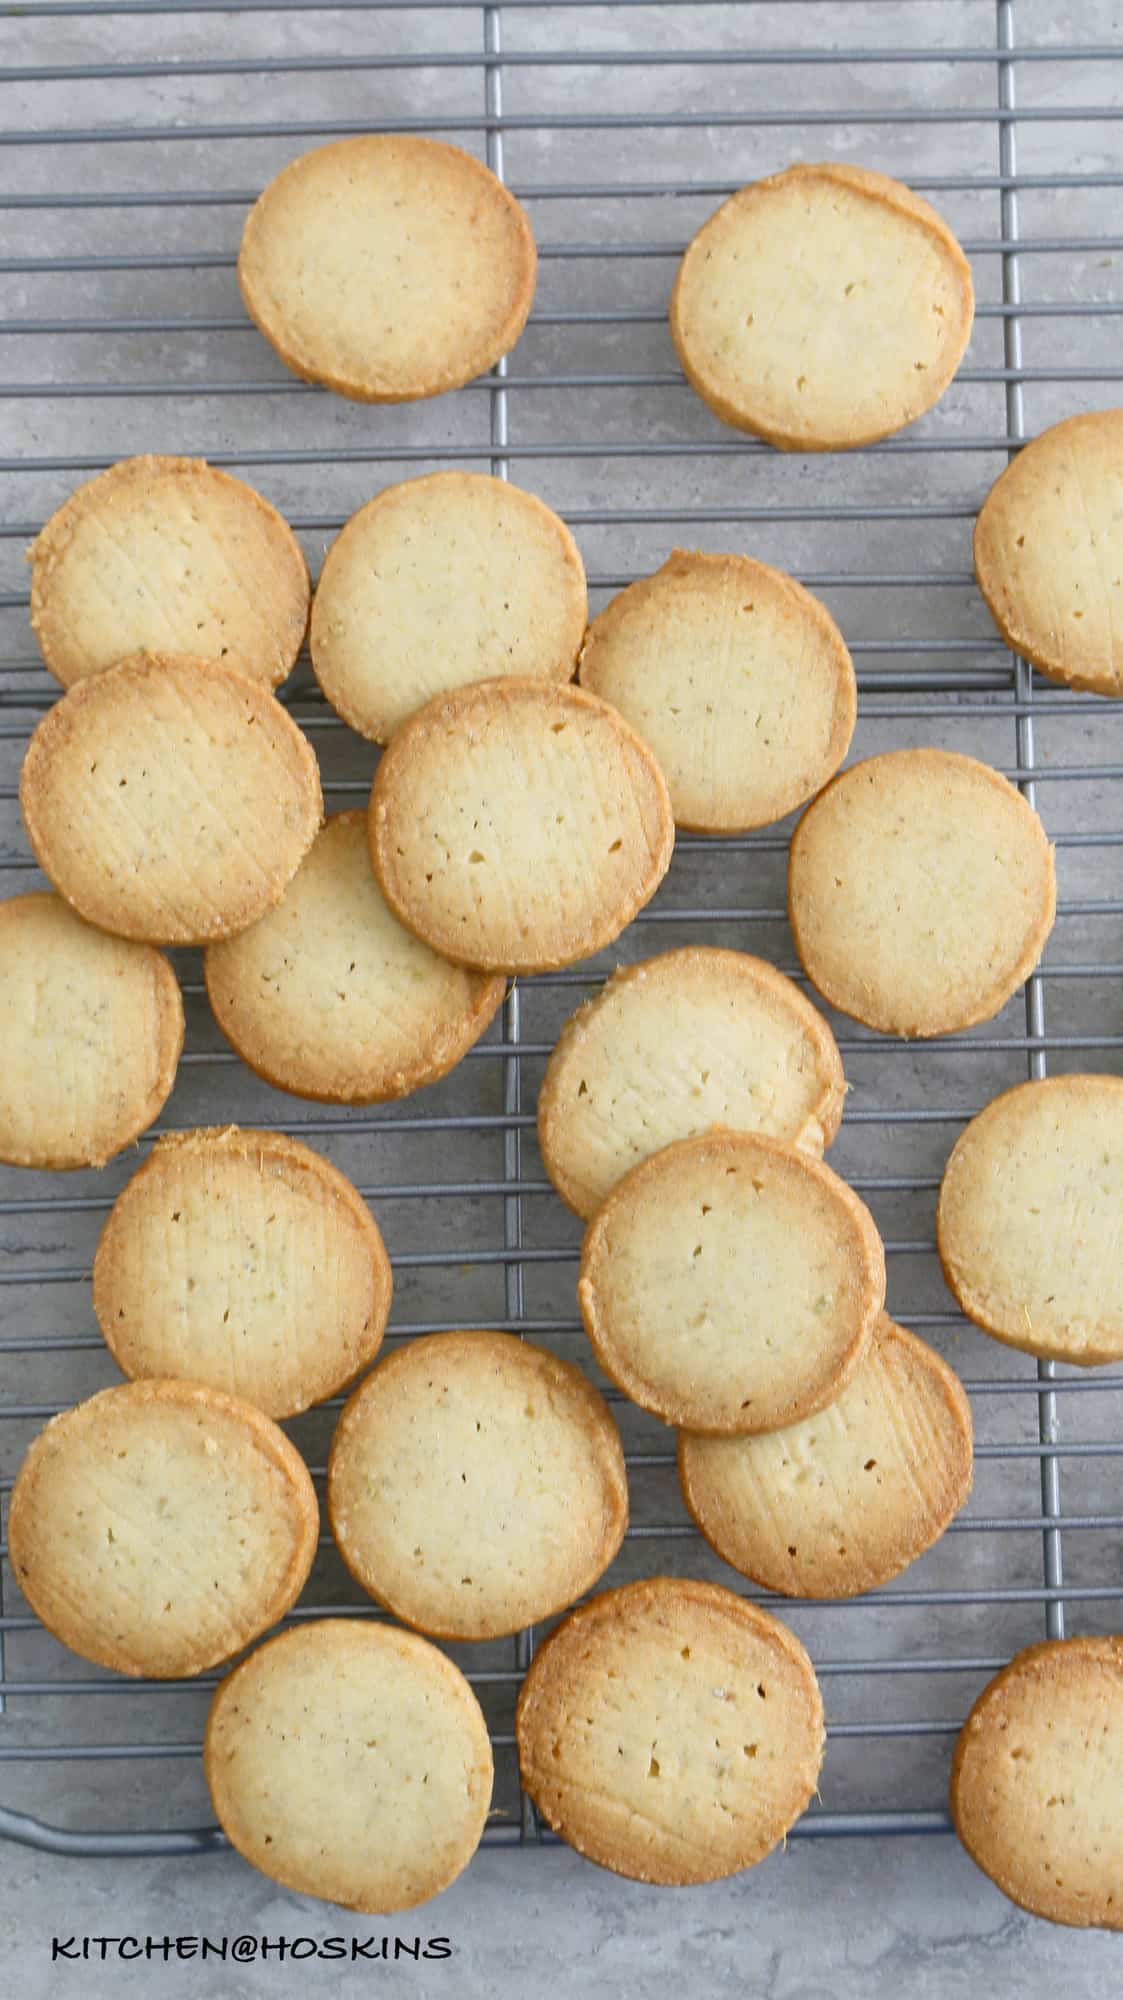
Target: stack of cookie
(731, 1283)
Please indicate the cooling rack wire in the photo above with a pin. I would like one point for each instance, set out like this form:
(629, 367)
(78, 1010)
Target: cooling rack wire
(134, 134)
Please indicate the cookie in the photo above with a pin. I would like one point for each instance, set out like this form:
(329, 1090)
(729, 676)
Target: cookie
(1027, 1224)
(158, 1527)
(350, 1761)
(517, 826)
(677, 1044)
(168, 555)
(245, 1261)
(169, 800)
(437, 582)
(730, 1283)
(846, 1499)
(670, 1731)
(93, 1031)
(823, 307)
(1049, 552)
(331, 998)
(388, 267)
(921, 890)
(736, 676)
(476, 1484)
(1036, 1780)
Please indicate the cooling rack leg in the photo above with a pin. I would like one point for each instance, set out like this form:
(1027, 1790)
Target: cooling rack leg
(1048, 1431)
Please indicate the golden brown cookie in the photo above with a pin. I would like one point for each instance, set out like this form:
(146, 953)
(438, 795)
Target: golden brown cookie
(245, 1261)
(677, 1044)
(168, 555)
(93, 1030)
(730, 1283)
(440, 581)
(921, 890)
(476, 1484)
(846, 1499)
(823, 307)
(1049, 552)
(350, 1761)
(517, 826)
(170, 800)
(158, 1527)
(331, 998)
(1036, 1778)
(670, 1731)
(1027, 1223)
(736, 676)
(388, 267)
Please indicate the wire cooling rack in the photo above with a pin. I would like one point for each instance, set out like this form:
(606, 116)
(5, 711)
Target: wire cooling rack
(134, 134)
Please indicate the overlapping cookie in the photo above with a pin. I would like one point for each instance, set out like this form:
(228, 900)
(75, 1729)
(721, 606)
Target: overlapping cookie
(694, 1038)
(437, 582)
(736, 676)
(170, 799)
(168, 555)
(245, 1261)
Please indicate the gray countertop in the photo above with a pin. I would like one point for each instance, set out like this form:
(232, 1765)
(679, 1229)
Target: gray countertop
(639, 465)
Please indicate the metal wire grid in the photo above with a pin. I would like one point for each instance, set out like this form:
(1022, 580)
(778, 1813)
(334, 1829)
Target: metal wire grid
(476, 1235)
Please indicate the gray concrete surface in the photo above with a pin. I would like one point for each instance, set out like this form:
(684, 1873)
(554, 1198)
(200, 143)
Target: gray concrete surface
(824, 1918)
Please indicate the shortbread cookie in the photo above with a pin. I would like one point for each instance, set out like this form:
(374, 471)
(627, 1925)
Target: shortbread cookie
(169, 799)
(692, 1039)
(517, 826)
(350, 1761)
(158, 1527)
(823, 307)
(1027, 1224)
(453, 578)
(246, 1261)
(846, 1499)
(1049, 552)
(388, 267)
(737, 677)
(92, 1035)
(330, 997)
(670, 1731)
(476, 1484)
(921, 890)
(731, 1284)
(1037, 1779)
(168, 555)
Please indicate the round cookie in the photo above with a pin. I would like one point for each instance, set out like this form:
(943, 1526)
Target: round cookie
(169, 799)
(245, 1261)
(736, 676)
(532, 1457)
(1049, 552)
(1035, 1781)
(677, 1044)
(730, 1283)
(437, 582)
(388, 267)
(846, 1499)
(823, 307)
(518, 826)
(350, 1761)
(93, 1031)
(921, 890)
(331, 998)
(168, 555)
(158, 1527)
(1027, 1223)
(670, 1731)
